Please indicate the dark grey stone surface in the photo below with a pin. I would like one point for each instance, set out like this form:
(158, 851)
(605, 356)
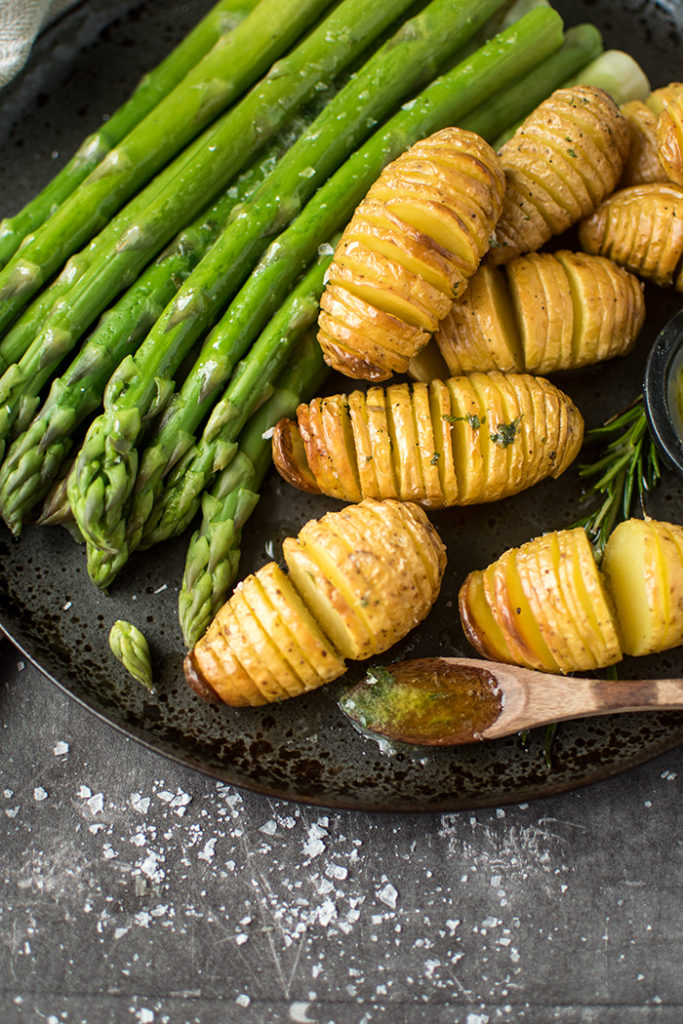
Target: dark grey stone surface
(136, 890)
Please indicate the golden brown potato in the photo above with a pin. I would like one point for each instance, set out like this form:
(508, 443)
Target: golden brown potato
(546, 312)
(410, 248)
(358, 581)
(640, 228)
(559, 165)
(670, 139)
(461, 441)
(543, 605)
(643, 164)
(643, 566)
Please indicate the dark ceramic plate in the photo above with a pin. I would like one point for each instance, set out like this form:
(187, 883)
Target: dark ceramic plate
(306, 749)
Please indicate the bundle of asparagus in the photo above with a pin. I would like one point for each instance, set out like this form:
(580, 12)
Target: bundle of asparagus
(197, 223)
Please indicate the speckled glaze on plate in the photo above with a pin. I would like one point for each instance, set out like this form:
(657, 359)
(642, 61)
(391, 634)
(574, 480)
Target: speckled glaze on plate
(305, 749)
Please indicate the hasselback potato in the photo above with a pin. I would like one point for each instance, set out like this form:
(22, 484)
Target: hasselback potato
(559, 165)
(544, 312)
(543, 605)
(409, 250)
(358, 581)
(640, 228)
(459, 441)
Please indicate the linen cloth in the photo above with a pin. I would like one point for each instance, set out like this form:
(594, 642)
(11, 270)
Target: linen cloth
(20, 23)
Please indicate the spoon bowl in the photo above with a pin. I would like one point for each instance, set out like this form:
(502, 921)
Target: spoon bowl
(453, 701)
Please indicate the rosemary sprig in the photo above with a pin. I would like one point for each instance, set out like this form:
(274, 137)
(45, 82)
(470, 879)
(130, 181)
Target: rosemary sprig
(626, 471)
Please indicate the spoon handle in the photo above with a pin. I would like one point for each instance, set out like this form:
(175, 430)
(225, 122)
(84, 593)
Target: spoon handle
(542, 698)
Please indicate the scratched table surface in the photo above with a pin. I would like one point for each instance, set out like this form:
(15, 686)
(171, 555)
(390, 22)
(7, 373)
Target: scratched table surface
(136, 890)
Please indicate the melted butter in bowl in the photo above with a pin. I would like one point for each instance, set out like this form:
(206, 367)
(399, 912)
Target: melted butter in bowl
(663, 392)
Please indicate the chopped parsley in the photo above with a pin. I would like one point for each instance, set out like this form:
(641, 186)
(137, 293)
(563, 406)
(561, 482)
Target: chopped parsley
(380, 674)
(472, 419)
(506, 432)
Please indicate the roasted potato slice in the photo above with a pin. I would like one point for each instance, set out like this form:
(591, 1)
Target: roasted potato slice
(559, 165)
(643, 566)
(408, 251)
(286, 603)
(480, 332)
(546, 312)
(640, 228)
(454, 442)
(550, 603)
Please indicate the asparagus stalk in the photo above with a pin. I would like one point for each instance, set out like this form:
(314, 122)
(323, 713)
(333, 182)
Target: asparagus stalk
(213, 554)
(154, 86)
(102, 484)
(253, 380)
(446, 100)
(34, 459)
(231, 66)
(618, 74)
(118, 254)
(252, 384)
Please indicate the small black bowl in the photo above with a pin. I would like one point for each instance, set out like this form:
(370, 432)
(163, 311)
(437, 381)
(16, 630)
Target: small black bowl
(663, 392)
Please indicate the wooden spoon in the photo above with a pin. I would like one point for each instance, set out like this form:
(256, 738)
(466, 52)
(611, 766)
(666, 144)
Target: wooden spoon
(448, 701)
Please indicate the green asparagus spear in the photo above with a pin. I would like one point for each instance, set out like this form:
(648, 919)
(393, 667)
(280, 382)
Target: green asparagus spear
(34, 459)
(231, 66)
(99, 490)
(253, 380)
(130, 646)
(120, 252)
(213, 554)
(221, 19)
(445, 101)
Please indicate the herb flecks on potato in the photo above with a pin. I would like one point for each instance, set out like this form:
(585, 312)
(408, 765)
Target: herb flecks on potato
(409, 250)
(461, 441)
(358, 581)
(543, 312)
(564, 159)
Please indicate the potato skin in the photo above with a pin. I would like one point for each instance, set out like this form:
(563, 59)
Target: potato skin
(641, 229)
(670, 139)
(358, 581)
(541, 313)
(643, 164)
(559, 165)
(408, 251)
(546, 601)
(462, 441)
